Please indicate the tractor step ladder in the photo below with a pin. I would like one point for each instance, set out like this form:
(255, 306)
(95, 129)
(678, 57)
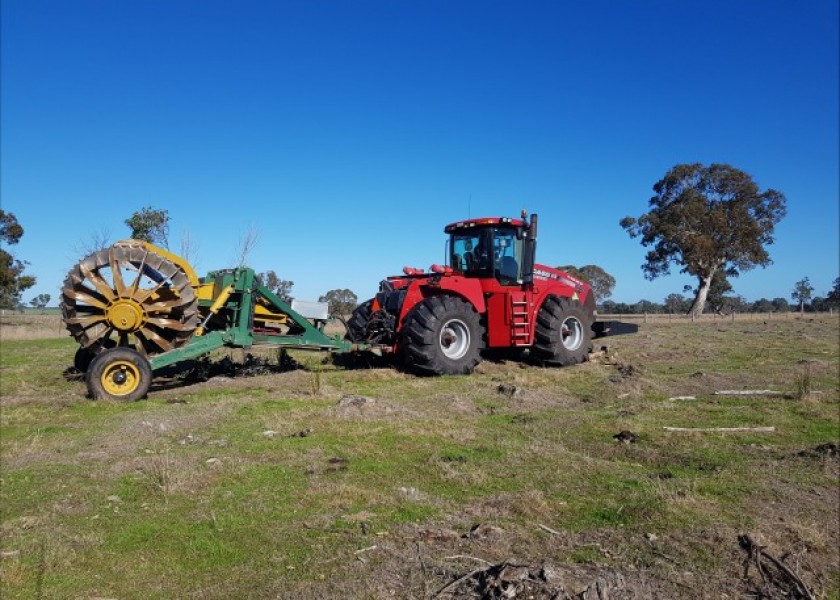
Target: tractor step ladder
(520, 325)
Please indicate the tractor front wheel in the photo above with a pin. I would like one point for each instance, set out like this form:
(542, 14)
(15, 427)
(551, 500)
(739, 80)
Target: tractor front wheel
(119, 374)
(563, 334)
(442, 335)
(358, 322)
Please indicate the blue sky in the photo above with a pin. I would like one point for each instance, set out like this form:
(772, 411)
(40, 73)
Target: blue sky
(348, 133)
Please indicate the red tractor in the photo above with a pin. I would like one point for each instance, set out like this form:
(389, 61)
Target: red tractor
(490, 295)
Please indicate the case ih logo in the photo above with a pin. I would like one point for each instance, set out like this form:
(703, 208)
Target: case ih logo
(565, 279)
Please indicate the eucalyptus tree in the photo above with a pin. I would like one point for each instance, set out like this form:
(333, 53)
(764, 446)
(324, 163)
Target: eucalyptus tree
(13, 281)
(707, 220)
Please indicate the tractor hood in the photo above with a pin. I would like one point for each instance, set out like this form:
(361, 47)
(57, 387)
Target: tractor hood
(545, 273)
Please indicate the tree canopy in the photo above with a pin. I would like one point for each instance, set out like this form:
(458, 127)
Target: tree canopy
(342, 302)
(150, 225)
(10, 229)
(833, 298)
(281, 287)
(12, 280)
(602, 282)
(834, 294)
(781, 305)
(707, 219)
(40, 301)
(802, 291)
(676, 304)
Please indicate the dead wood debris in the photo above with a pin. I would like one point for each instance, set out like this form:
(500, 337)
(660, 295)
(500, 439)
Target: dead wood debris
(749, 393)
(829, 449)
(508, 580)
(508, 389)
(355, 400)
(626, 437)
(301, 434)
(722, 429)
(549, 530)
(778, 580)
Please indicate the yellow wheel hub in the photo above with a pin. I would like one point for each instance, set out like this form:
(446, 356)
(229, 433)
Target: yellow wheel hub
(125, 315)
(120, 378)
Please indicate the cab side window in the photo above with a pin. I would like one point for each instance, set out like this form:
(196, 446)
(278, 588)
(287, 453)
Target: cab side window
(507, 251)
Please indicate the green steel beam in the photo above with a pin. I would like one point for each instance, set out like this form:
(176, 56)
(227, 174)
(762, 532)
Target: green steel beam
(311, 336)
(198, 345)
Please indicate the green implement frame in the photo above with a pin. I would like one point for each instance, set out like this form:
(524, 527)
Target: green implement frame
(232, 324)
(136, 309)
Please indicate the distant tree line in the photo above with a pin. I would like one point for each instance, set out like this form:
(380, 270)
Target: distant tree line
(690, 196)
(725, 303)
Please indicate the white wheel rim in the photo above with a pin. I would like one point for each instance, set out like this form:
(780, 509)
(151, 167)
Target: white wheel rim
(571, 333)
(454, 339)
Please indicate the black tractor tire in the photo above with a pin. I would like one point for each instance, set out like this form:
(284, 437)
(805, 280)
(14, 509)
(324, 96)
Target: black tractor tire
(85, 356)
(563, 333)
(119, 374)
(358, 322)
(82, 359)
(442, 335)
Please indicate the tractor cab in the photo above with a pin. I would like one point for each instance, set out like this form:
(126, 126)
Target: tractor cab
(491, 248)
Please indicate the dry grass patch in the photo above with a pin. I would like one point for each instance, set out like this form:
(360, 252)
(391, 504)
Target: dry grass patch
(27, 326)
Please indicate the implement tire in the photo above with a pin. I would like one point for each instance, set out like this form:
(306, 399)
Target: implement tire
(442, 335)
(82, 359)
(563, 333)
(119, 374)
(358, 322)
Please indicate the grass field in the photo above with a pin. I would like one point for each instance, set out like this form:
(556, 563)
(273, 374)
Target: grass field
(326, 482)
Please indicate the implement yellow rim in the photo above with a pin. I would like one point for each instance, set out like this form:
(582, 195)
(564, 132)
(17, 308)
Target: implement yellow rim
(120, 378)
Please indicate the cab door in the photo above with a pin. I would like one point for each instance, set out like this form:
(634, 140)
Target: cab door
(508, 301)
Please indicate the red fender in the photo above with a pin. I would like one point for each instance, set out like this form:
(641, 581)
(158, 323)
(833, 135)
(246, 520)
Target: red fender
(467, 288)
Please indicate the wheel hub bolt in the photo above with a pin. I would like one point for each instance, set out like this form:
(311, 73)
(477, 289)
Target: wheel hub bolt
(120, 377)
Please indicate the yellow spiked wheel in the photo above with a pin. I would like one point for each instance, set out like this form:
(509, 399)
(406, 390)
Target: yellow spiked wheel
(119, 374)
(129, 296)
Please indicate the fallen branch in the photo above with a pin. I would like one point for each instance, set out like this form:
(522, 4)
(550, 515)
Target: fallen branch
(662, 554)
(549, 530)
(445, 588)
(756, 553)
(749, 393)
(361, 550)
(721, 429)
(481, 560)
(682, 398)
(494, 576)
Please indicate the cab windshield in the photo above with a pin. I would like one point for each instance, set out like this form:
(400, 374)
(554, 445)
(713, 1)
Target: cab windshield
(488, 252)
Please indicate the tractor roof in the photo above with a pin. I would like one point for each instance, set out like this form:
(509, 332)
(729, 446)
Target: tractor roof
(483, 221)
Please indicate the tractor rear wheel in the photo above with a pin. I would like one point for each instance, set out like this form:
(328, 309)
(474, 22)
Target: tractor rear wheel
(119, 374)
(563, 334)
(442, 335)
(358, 322)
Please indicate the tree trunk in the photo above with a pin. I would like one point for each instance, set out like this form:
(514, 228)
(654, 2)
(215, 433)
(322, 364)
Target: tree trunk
(699, 304)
